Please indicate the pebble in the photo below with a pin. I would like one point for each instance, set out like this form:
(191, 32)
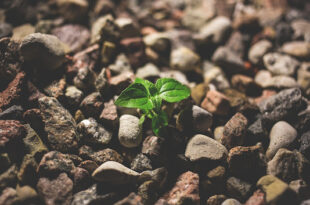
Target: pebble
(216, 199)
(216, 103)
(100, 156)
(148, 71)
(9, 177)
(245, 85)
(301, 188)
(63, 135)
(277, 191)
(298, 49)
(280, 64)
(198, 92)
(289, 165)
(201, 147)
(159, 42)
(94, 133)
(258, 198)
(12, 133)
(303, 77)
(56, 191)
(305, 144)
(5, 29)
(120, 65)
(215, 181)
(8, 196)
(127, 27)
(72, 10)
(234, 131)
(154, 147)
(14, 112)
(231, 202)
(20, 32)
(280, 82)
(184, 59)
(258, 50)
(131, 199)
(238, 188)
(282, 135)
(130, 132)
(73, 96)
(43, 50)
(84, 79)
(104, 25)
(301, 29)
(134, 48)
(27, 172)
(119, 82)
(202, 119)
(109, 114)
(141, 163)
(215, 76)
(114, 173)
(92, 105)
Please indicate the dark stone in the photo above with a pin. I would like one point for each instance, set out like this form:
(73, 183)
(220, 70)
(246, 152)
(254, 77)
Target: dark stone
(14, 112)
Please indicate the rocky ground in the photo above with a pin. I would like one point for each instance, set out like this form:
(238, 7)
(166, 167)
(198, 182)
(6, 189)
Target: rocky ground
(243, 137)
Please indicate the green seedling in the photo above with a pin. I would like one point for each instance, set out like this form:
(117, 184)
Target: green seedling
(148, 97)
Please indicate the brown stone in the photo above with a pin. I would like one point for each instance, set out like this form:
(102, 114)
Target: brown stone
(135, 50)
(120, 82)
(89, 165)
(216, 103)
(258, 198)
(131, 199)
(11, 132)
(100, 156)
(245, 84)
(109, 113)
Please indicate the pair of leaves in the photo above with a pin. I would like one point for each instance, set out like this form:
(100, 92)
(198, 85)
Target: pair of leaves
(145, 95)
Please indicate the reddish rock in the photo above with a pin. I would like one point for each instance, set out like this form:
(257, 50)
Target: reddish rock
(109, 113)
(11, 133)
(134, 49)
(185, 191)
(216, 103)
(89, 165)
(34, 118)
(153, 147)
(100, 156)
(56, 191)
(34, 94)
(92, 105)
(120, 82)
(13, 93)
(258, 198)
(265, 94)
(57, 89)
(131, 199)
(234, 131)
(245, 84)
(81, 179)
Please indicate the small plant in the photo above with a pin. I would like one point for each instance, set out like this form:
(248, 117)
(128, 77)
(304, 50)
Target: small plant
(148, 98)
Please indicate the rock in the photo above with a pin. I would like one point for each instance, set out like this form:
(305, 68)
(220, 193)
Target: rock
(108, 51)
(282, 135)
(301, 188)
(54, 163)
(280, 82)
(184, 59)
(257, 132)
(202, 147)
(100, 156)
(303, 77)
(305, 144)
(56, 89)
(277, 192)
(114, 173)
(5, 162)
(289, 166)
(73, 35)
(234, 131)
(81, 179)
(214, 32)
(245, 84)
(301, 29)
(84, 79)
(73, 96)
(89, 165)
(109, 114)
(284, 32)
(185, 191)
(148, 192)
(282, 106)
(104, 27)
(27, 172)
(306, 202)
(246, 162)
(198, 92)
(148, 71)
(215, 181)
(216, 199)
(218, 132)
(135, 51)
(231, 202)
(11, 134)
(58, 190)
(280, 64)
(228, 60)
(94, 195)
(72, 10)
(94, 133)
(141, 163)
(154, 147)
(298, 49)
(216, 76)
(238, 188)
(131, 199)
(14, 112)
(120, 82)
(8, 196)
(26, 194)
(258, 50)
(216, 103)
(20, 32)
(92, 105)
(127, 27)
(14, 92)
(63, 135)
(202, 119)
(9, 177)
(157, 176)
(175, 74)
(5, 29)
(120, 65)
(130, 131)
(43, 50)
(258, 198)
(158, 42)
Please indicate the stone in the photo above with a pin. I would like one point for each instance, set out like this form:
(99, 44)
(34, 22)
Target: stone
(141, 163)
(216, 199)
(301, 188)
(130, 131)
(184, 59)
(198, 92)
(94, 133)
(284, 32)
(216, 103)
(214, 32)
(73, 96)
(282, 135)
(56, 89)
(298, 49)
(120, 82)
(72, 10)
(216, 76)
(148, 192)
(280, 82)
(26, 194)
(108, 51)
(301, 29)
(73, 35)
(159, 42)
(305, 144)
(5, 162)
(306, 202)
(101, 82)
(154, 147)
(228, 60)
(218, 133)
(54, 163)
(234, 131)
(258, 50)
(104, 28)
(109, 114)
(14, 112)
(8, 196)
(131, 199)
(92, 105)
(231, 202)
(238, 188)
(27, 172)
(282, 106)
(201, 147)
(245, 84)
(258, 198)
(5, 29)
(246, 162)
(11, 134)
(120, 65)
(9, 177)
(215, 181)
(185, 191)
(202, 119)
(84, 79)
(276, 191)
(280, 64)
(148, 71)
(14, 92)
(100, 156)
(134, 49)
(43, 50)
(89, 165)
(127, 27)
(62, 136)
(20, 32)
(81, 179)
(303, 77)
(114, 173)
(289, 165)
(157, 176)
(58, 190)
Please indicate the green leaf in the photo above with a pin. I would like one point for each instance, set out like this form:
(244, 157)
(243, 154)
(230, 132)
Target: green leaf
(159, 122)
(172, 90)
(135, 96)
(142, 119)
(148, 85)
